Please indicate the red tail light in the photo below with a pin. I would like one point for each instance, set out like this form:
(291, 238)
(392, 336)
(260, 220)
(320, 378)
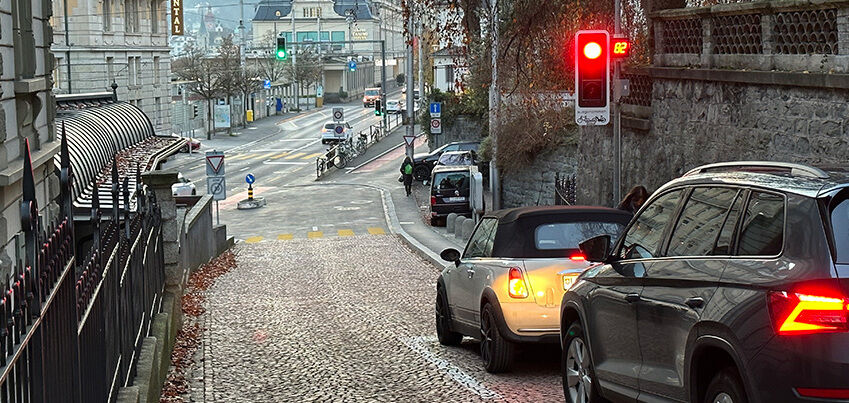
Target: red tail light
(433, 200)
(798, 313)
(577, 258)
(824, 393)
(516, 286)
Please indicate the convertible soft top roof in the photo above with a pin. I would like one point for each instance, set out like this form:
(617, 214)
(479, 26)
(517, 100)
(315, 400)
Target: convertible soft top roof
(514, 237)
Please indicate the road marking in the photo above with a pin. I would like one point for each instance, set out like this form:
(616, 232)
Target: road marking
(244, 169)
(285, 163)
(315, 234)
(345, 232)
(280, 155)
(305, 139)
(376, 231)
(293, 156)
(284, 237)
(419, 345)
(406, 223)
(253, 128)
(243, 156)
(268, 155)
(308, 157)
(253, 239)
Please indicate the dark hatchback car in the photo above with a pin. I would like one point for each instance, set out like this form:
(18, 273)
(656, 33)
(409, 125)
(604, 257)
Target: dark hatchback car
(423, 163)
(449, 192)
(729, 285)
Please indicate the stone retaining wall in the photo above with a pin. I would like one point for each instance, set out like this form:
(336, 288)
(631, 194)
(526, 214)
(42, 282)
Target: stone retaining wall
(533, 185)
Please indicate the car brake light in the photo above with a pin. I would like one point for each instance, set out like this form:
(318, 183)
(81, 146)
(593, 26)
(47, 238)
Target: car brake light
(516, 286)
(797, 313)
(577, 258)
(824, 393)
(433, 200)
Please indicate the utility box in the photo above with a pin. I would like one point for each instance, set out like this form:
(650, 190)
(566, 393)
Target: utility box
(250, 115)
(476, 193)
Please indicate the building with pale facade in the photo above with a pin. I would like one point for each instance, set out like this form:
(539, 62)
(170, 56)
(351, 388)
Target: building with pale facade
(120, 41)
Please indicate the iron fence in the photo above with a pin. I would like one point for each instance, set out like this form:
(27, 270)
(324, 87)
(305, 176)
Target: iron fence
(565, 190)
(73, 334)
(342, 153)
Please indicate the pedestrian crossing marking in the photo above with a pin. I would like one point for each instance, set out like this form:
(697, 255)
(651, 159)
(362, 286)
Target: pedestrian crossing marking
(244, 156)
(376, 231)
(315, 234)
(293, 156)
(253, 239)
(268, 155)
(280, 155)
(284, 237)
(311, 156)
(345, 232)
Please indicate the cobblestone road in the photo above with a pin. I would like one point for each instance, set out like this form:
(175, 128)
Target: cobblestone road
(345, 319)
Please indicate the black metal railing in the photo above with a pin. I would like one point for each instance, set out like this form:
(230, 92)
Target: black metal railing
(74, 334)
(343, 152)
(565, 189)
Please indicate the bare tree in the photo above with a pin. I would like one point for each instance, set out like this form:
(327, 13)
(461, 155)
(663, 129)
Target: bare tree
(247, 81)
(270, 67)
(307, 70)
(229, 67)
(203, 76)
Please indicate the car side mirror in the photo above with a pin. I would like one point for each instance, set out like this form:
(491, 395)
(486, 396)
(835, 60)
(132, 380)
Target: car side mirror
(451, 255)
(596, 249)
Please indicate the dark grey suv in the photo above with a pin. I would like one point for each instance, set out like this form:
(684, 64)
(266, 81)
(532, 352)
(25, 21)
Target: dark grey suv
(729, 285)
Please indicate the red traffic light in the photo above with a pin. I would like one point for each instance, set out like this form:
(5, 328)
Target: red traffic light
(620, 47)
(592, 68)
(592, 50)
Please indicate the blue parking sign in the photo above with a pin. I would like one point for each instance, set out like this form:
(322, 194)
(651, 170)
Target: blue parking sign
(435, 109)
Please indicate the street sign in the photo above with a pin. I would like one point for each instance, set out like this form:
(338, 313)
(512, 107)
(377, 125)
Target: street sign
(319, 91)
(409, 140)
(214, 163)
(217, 187)
(339, 129)
(436, 109)
(436, 126)
(338, 114)
(266, 84)
(352, 65)
(250, 179)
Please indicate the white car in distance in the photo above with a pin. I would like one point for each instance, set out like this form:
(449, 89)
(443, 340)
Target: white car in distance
(334, 132)
(183, 187)
(394, 106)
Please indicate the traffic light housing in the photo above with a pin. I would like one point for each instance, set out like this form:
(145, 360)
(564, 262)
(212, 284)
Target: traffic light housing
(194, 111)
(281, 52)
(592, 77)
(378, 108)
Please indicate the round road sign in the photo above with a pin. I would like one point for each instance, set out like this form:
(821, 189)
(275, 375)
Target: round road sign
(434, 123)
(340, 129)
(250, 179)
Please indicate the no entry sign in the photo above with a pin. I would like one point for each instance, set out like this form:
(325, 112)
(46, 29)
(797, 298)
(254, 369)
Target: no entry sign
(436, 126)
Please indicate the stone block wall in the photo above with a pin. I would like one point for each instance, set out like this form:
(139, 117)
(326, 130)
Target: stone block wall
(533, 185)
(462, 128)
(695, 122)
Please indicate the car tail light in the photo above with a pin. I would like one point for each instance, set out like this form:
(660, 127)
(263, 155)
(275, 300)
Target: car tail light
(824, 393)
(805, 313)
(569, 280)
(577, 258)
(433, 200)
(516, 286)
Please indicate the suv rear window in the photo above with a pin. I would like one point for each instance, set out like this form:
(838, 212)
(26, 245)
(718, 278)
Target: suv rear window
(569, 235)
(762, 232)
(330, 126)
(451, 181)
(371, 92)
(840, 228)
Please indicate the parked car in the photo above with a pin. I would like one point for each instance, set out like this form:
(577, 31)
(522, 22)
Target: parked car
(457, 158)
(506, 286)
(393, 106)
(369, 96)
(730, 284)
(449, 192)
(423, 163)
(183, 187)
(193, 142)
(334, 132)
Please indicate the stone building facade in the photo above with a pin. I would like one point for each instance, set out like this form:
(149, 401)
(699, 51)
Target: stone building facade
(125, 42)
(779, 92)
(27, 112)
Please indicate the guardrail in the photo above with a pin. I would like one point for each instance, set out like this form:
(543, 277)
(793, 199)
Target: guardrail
(339, 155)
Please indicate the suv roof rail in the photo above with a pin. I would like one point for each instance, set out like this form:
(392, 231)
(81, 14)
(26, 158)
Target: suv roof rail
(795, 169)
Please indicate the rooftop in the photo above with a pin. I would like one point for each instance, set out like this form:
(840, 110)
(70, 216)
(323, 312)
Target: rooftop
(274, 10)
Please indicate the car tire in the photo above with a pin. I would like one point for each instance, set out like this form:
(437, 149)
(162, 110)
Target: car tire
(194, 192)
(726, 387)
(576, 367)
(446, 336)
(421, 173)
(496, 352)
(434, 221)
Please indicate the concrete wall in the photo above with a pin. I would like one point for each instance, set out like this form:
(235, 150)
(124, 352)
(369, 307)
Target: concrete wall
(533, 185)
(197, 241)
(462, 128)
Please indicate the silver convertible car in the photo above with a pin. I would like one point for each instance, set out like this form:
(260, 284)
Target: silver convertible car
(506, 286)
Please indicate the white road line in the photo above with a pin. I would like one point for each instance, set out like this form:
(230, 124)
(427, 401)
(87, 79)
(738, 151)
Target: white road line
(244, 169)
(406, 223)
(285, 163)
(418, 345)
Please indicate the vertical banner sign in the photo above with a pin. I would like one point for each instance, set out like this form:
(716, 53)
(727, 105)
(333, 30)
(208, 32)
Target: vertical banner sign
(176, 17)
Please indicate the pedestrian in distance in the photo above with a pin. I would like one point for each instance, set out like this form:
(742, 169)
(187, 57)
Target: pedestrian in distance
(634, 199)
(407, 173)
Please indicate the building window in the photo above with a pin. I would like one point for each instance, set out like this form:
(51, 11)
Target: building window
(24, 41)
(449, 74)
(110, 69)
(131, 15)
(336, 36)
(156, 71)
(154, 16)
(138, 71)
(158, 112)
(312, 12)
(57, 73)
(107, 15)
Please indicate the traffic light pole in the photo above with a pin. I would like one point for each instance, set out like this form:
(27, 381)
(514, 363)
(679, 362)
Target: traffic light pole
(617, 127)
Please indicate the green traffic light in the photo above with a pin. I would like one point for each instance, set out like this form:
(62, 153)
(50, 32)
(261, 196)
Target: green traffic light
(281, 54)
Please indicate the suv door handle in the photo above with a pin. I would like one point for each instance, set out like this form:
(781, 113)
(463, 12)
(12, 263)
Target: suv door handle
(470, 272)
(631, 298)
(695, 302)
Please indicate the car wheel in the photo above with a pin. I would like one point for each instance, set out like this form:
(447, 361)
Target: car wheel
(434, 221)
(726, 387)
(495, 351)
(579, 382)
(421, 173)
(443, 321)
(184, 149)
(194, 192)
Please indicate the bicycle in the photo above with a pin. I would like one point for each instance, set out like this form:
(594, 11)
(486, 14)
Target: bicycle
(320, 166)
